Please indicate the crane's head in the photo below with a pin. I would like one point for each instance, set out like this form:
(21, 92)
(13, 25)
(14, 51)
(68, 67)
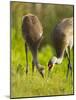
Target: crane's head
(51, 63)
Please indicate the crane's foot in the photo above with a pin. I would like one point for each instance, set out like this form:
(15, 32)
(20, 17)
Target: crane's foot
(69, 69)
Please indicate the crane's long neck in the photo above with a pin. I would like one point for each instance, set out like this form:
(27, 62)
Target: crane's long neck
(60, 54)
(56, 60)
(59, 60)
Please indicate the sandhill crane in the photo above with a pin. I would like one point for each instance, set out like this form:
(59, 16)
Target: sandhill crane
(62, 42)
(32, 33)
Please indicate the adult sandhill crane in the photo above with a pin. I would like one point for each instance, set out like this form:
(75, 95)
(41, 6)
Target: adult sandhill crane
(62, 42)
(32, 33)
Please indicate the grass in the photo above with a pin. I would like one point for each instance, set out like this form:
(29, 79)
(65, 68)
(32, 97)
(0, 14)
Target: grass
(30, 85)
(23, 85)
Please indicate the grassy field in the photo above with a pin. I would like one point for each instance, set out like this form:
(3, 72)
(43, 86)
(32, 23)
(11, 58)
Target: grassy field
(23, 85)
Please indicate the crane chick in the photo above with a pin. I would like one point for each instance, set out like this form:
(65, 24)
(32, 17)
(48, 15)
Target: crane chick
(32, 33)
(62, 42)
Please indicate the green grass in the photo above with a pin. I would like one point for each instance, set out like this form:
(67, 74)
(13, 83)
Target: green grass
(23, 85)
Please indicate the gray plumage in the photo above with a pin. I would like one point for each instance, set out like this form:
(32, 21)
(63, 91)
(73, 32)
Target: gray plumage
(63, 36)
(32, 27)
(62, 39)
(32, 31)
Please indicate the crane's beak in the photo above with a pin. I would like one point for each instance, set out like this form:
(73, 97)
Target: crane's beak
(49, 68)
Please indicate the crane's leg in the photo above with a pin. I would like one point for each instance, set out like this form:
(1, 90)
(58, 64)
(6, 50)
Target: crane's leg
(33, 66)
(26, 51)
(65, 54)
(69, 62)
(70, 65)
(38, 66)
